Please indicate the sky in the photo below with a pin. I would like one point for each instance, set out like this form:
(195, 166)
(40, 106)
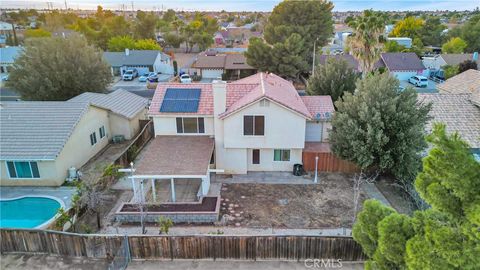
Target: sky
(245, 5)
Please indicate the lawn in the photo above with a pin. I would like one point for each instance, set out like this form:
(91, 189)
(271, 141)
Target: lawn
(325, 205)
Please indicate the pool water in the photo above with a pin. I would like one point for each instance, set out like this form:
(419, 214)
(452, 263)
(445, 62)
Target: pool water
(27, 212)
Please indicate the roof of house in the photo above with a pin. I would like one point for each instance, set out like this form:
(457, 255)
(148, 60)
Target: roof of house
(236, 61)
(134, 58)
(402, 61)
(214, 61)
(320, 107)
(246, 91)
(457, 112)
(456, 58)
(176, 155)
(8, 54)
(120, 102)
(351, 61)
(271, 86)
(224, 61)
(37, 130)
(466, 82)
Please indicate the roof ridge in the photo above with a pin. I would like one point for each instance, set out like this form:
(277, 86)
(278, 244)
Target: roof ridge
(262, 83)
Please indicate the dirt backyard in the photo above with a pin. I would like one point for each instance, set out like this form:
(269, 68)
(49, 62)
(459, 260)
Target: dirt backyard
(326, 205)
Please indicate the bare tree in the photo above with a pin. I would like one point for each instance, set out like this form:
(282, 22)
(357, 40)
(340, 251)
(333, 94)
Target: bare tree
(358, 180)
(92, 197)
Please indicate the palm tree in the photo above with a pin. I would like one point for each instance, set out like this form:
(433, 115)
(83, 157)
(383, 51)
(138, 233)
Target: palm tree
(366, 43)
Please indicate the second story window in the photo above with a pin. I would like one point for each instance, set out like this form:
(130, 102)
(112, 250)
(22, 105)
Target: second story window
(190, 125)
(254, 125)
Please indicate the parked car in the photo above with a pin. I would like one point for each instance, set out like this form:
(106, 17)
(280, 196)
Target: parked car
(130, 74)
(152, 77)
(418, 81)
(185, 78)
(143, 78)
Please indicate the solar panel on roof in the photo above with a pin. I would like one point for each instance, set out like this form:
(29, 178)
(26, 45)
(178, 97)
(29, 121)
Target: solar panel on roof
(181, 100)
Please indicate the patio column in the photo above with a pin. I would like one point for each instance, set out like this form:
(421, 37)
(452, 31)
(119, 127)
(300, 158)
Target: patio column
(205, 184)
(135, 195)
(142, 191)
(154, 191)
(172, 185)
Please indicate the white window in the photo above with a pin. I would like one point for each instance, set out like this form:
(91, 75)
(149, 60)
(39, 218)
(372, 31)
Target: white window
(93, 138)
(102, 132)
(281, 155)
(190, 125)
(23, 169)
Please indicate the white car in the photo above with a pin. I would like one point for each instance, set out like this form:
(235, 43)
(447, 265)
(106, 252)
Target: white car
(418, 81)
(185, 78)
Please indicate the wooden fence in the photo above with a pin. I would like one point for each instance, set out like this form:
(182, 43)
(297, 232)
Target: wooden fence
(146, 133)
(327, 162)
(181, 247)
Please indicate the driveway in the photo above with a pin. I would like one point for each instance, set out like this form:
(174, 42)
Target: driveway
(431, 88)
(133, 85)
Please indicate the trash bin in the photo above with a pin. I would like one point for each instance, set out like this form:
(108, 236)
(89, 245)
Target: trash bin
(298, 169)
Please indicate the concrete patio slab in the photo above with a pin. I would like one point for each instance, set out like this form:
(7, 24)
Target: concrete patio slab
(264, 178)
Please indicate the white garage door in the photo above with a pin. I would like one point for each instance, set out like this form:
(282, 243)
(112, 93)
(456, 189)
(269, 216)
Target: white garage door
(313, 132)
(212, 73)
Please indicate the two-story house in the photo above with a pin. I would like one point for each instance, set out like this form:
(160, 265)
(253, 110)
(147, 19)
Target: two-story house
(258, 123)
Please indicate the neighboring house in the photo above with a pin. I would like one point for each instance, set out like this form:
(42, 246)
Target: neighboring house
(143, 60)
(233, 65)
(467, 82)
(441, 60)
(402, 41)
(351, 61)
(403, 65)
(7, 58)
(125, 110)
(459, 113)
(41, 140)
(258, 123)
(219, 39)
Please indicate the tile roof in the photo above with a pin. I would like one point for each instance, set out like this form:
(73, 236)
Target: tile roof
(273, 87)
(227, 61)
(242, 93)
(176, 155)
(134, 58)
(205, 106)
(237, 61)
(8, 54)
(402, 61)
(457, 112)
(466, 82)
(456, 58)
(215, 61)
(351, 61)
(37, 130)
(320, 107)
(120, 102)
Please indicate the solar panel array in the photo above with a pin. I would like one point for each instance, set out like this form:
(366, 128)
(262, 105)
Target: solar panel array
(181, 100)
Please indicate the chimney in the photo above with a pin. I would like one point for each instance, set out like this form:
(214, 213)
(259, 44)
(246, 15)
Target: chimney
(127, 52)
(219, 97)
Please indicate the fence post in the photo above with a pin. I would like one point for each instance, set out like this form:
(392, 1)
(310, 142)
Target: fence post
(171, 247)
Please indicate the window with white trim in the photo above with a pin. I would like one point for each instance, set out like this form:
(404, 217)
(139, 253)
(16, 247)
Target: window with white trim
(23, 169)
(93, 138)
(102, 132)
(254, 125)
(190, 125)
(281, 155)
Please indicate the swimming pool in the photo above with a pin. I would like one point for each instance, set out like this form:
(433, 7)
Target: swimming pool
(28, 212)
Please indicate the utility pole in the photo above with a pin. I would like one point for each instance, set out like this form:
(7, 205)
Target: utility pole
(66, 8)
(132, 7)
(313, 60)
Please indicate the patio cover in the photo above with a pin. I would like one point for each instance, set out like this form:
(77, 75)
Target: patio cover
(176, 155)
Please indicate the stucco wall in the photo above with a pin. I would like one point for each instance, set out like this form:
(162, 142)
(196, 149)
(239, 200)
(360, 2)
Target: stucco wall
(123, 126)
(327, 126)
(284, 129)
(76, 152)
(268, 164)
(167, 125)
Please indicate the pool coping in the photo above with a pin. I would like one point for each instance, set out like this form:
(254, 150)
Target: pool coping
(45, 224)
